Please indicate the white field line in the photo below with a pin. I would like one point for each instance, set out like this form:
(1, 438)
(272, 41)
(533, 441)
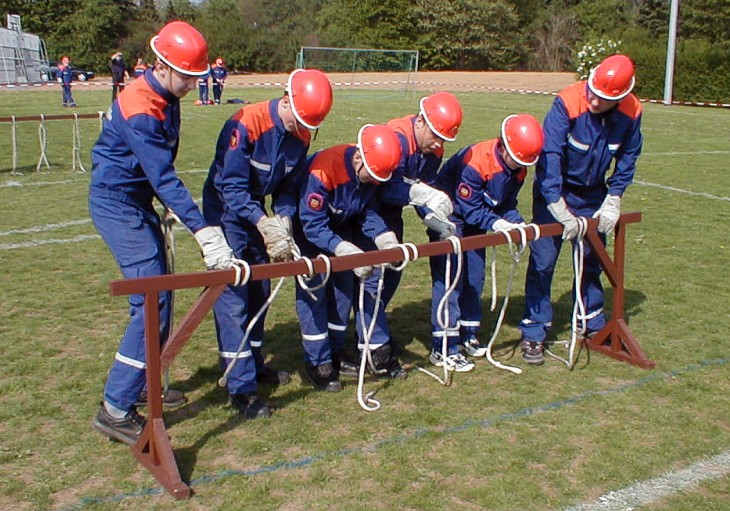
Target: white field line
(38, 243)
(680, 190)
(47, 227)
(666, 485)
(18, 184)
(683, 153)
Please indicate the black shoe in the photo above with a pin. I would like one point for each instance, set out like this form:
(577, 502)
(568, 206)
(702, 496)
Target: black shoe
(532, 352)
(386, 363)
(344, 367)
(323, 377)
(128, 429)
(170, 398)
(272, 376)
(250, 406)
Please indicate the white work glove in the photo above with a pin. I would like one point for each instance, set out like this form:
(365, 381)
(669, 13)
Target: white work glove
(347, 248)
(440, 224)
(608, 213)
(276, 238)
(503, 225)
(437, 201)
(294, 251)
(386, 240)
(559, 210)
(216, 252)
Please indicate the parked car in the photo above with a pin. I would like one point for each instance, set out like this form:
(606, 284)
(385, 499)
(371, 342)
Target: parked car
(50, 72)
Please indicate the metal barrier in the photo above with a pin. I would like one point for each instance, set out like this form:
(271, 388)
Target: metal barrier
(154, 451)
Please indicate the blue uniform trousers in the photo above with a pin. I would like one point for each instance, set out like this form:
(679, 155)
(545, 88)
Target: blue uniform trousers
(236, 307)
(68, 99)
(537, 319)
(132, 233)
(203, 94)
(465, 301)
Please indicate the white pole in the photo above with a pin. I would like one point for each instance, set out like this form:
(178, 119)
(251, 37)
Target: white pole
(671, 44)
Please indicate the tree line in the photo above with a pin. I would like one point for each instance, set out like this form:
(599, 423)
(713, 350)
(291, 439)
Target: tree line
(540, 35)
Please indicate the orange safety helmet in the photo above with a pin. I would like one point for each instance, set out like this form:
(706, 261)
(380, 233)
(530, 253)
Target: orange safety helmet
(443, 114)
(613, 79)
(182, 47)
(380, 150)
(523, 138)
(310, 93)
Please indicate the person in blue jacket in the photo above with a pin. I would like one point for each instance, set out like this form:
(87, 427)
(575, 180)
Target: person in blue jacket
(483, 179)
(203, 81)
(133, 163)
(339, 200)
(260, 153)
(422, 137)
(591, 124)
(65, 78)
(218, 73)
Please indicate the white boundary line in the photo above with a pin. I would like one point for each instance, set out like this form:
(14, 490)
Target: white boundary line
(688, 192)
(38, 243)
(47, 227)
(666, 485)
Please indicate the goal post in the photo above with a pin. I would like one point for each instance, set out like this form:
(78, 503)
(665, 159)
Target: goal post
(397, 66)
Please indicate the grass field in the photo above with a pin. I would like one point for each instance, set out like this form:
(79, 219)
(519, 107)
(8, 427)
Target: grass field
(545, 440)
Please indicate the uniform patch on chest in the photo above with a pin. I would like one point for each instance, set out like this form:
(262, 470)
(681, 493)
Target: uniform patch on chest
(464, 191)
(235, 138)
(315, 201)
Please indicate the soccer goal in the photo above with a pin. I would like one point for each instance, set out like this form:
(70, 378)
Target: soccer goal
(396, 69)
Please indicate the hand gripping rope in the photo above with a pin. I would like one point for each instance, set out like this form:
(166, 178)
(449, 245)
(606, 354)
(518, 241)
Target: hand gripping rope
(43, 142)
(367, 401)
(579, 310)
(442, 311)
(516, 254)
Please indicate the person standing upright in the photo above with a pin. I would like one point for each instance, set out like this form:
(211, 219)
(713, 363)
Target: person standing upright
(133, 163)
(119, 73)
(65, 77)
(591, 124)
(218, 74)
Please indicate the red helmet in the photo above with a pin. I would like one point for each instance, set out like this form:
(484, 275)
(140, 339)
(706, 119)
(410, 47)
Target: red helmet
(310, 93)
(443, 115)
(380, 150)
(613, 79)
(523, 138)
(65, 59)
(182, 47)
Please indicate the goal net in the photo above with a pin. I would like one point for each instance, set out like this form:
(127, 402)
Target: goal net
(393, 69)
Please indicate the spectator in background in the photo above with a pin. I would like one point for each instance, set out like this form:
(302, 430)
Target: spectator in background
(119, 73)
(139, 68)
(218, 73)
(203, 89)
(64, 78)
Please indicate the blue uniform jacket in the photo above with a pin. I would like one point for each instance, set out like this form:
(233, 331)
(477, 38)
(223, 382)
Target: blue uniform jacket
(482, 187)
(64, 72)
(255, 157)
(413, 166)
(579, 146)
(137, 147)
(218, 73)
(332, 196)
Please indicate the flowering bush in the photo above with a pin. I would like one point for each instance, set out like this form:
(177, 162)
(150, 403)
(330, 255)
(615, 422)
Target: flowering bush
(591, 54)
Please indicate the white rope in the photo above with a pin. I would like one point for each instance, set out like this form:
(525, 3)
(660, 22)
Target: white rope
(43, 141)
(169, 219)
(14, 135)
(367, 401)
(442, 311)
(76, 150)
(578, 305)
(304, 280)
(223, 380)
(516, 254)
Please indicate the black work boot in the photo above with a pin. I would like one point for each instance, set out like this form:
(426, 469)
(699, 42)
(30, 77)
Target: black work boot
(170, 398)
(272, 376)
(249, 405)
(386, 363)
(323, 377)
(127, 430)
(344, 367)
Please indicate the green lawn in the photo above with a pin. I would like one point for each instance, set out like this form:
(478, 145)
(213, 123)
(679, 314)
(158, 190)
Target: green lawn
(544, 440)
